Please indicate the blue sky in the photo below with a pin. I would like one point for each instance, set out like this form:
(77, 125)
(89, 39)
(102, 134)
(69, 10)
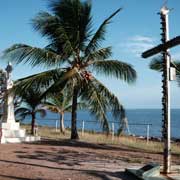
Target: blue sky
(135, 29)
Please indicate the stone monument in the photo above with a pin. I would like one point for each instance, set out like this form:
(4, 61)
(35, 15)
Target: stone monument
(10, 129)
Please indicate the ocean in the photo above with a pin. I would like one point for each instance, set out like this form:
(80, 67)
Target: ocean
(138, 119)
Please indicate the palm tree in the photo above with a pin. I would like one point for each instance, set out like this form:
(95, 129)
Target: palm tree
(30, 106)
(157, 65)
(60, 103)
(74, 53)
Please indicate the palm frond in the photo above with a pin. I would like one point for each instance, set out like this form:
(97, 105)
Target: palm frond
(21, 113)
(22, 110)
(80, 106)
(61, 82)
(75, 18)
(156, 64)
(21, 53)
(52, 27)
(100, 54)
(31, 97)
(41, 111)
(21, 117)
(115, 68)
(42, 80)
(101, 101)
(123, 126)
(46, 24)
(99, 35)
(113, 104)
(97, 104)
(58, 102)
(52, 103)
(176, 64)
(85, 21)
(52, 108)
(67, 108)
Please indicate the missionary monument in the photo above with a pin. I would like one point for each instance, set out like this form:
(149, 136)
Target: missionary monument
(10, 131)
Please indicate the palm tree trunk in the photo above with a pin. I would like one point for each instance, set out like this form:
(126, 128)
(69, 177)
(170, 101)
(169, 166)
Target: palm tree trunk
(32, 123)
(62, 128)
(74, 133)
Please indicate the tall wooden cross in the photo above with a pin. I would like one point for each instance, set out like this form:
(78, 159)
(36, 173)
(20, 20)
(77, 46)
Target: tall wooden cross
(164, 50)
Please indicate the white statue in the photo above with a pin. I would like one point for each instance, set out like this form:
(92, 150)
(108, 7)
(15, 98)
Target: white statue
(8, 115)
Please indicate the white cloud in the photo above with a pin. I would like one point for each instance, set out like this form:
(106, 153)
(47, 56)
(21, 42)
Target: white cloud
(144, 39)
(137, 44)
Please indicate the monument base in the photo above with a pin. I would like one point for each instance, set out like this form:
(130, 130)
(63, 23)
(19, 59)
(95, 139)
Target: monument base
(12, 133)
(10, 125)
(150, 171)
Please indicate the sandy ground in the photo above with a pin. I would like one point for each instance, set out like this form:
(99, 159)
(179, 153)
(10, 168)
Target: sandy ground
(70, 160)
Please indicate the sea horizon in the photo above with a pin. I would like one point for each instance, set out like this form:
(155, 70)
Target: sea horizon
(138, 120)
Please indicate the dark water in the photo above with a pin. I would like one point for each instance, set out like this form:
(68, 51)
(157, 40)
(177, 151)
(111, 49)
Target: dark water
(137, 119)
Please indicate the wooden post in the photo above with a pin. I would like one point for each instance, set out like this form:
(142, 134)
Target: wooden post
(147, 133)
(56, 125)
(112, 131)
(164, 49)
(82, 133)
(166, 91)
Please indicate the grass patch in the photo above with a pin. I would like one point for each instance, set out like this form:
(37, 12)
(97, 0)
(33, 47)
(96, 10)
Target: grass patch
(132, 142)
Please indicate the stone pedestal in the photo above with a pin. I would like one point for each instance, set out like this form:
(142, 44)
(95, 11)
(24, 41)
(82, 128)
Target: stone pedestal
(10, 126)
(12, 133)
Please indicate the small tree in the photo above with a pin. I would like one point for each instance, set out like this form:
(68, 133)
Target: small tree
(61, 103)
(30, 106)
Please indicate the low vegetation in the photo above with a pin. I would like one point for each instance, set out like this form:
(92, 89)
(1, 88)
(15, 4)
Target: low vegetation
(133, 142)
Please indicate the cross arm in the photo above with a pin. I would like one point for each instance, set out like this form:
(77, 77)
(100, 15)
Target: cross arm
(162, 47)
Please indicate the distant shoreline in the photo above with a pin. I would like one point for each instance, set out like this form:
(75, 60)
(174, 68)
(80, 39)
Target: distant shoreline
(138, 119)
